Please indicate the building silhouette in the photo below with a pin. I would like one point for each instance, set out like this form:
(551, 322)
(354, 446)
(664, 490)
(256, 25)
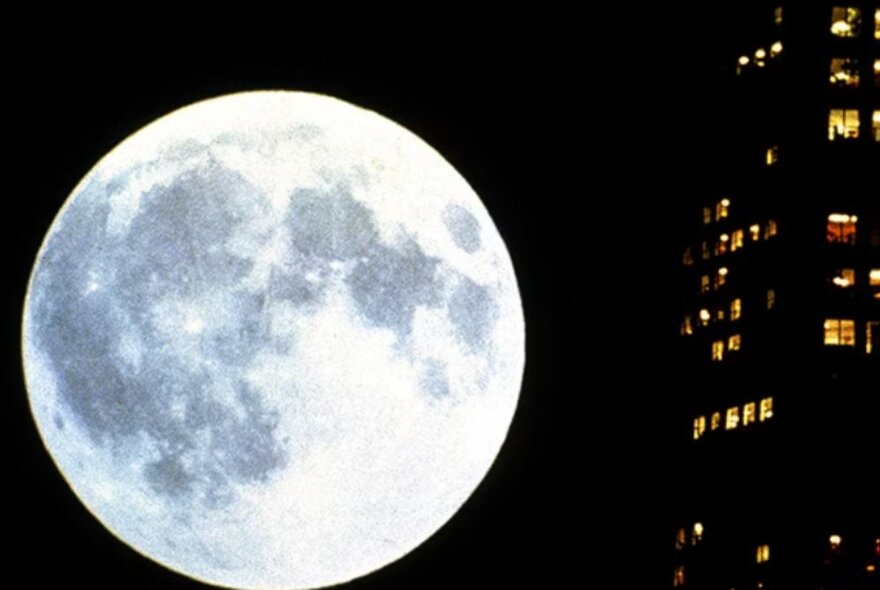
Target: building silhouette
(779, 391)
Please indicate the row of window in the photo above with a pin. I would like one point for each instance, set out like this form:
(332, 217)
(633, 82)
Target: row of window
(705, 316)
(762, 552)
(719, 347)
(845, 124)
(731, 242)
(846, 72)
(847, 277)
(752, 412)
(760, 57)
(846, 21)
(733, 312)
(842, 332)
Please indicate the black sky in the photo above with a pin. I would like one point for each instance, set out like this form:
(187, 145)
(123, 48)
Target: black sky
(583, 136)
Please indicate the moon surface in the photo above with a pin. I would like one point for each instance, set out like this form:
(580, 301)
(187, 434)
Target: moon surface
(273, 340)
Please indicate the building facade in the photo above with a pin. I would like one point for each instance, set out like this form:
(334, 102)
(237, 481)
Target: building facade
(779, 395)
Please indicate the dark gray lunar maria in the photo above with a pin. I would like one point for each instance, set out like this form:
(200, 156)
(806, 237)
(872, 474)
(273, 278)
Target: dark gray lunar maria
(273, 340)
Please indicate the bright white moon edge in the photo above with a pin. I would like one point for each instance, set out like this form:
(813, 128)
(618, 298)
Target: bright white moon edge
(273, 340)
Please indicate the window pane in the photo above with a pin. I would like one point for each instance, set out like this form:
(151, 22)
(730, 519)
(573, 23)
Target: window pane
(843, 124)
(736, 241)
(766, 409)
(845, 72)
(872, 333)
(772, 155)
(875, 125)
(734, 342)
(846, 21)
(718, 350)
(874, 277)
(735, 309)
(749, 413)
(732, 419)
(770, 229)
(844, 278)
(842, 228)
(699, 427)
(848, 332)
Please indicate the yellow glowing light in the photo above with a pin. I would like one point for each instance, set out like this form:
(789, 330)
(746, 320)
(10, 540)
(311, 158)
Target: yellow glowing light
(725, 238)
(766, 409)
(877, 66)
(725, 202)
(743, 60)
(841, 282)
(874, 277)
(763, 554)
(732, 419)
(841, 28)
(760, 53)
(723, 271)
(698, 529)
(842, 218)
(704, 315)
(835, 541)
(755, 230)
(776, 49)
(870, 568)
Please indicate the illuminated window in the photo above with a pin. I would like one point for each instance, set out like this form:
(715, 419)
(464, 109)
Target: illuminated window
(688, 257)
(872, 331)
(719, 314)
(704, 284)
(874, 277)
(749, 413)
(715, 423)
(755, 231)
(760, 56)
(777, 15)
(766, 409)
(845, 72)
(763, 554)
(721, 245)
(771, 229)
(840, 332)
(678, 580)
(687, 326)
(718, 350)
(707, 215)
(720, 277)
(697, 535)
(776, 49)
(734, 342)
(699, 427)
(877, 72)
(877, 23)
(735, 309)
(732, 419)
(835, 541)
(772, 155)
(705, 316)
(771, 298)
(843, 124)
(846, 21)
(842, 228)
(705, 251)
(875, 125)
(680, 538)
(736, 240)
(844, 278)
(722, 209)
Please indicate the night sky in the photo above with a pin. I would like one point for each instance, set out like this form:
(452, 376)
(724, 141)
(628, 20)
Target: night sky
(586, 139)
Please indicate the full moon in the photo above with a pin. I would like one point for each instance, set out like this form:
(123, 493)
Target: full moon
(273, 340)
